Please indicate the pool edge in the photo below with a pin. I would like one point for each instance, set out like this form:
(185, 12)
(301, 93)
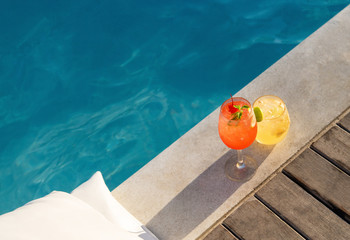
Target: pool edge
(171, 186)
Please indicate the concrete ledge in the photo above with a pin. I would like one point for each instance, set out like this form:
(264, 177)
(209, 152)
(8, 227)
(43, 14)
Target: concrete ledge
(183, 191)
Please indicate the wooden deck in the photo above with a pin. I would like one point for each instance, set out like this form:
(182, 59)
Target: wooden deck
(308, 199)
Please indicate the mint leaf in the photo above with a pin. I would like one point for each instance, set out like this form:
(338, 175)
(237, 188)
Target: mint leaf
(238, 115)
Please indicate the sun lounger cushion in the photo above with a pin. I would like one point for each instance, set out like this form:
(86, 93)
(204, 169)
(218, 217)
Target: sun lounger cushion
(60, 215)
(95, 193)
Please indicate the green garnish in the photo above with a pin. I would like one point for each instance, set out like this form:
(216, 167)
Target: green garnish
(258, 114)
(238, 115)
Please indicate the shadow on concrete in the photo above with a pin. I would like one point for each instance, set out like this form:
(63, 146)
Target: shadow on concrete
(201, 197)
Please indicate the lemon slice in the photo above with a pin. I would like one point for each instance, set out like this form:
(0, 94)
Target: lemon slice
(258, 114)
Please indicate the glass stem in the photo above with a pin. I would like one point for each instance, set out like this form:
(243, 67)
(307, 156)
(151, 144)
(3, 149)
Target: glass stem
(240, 163)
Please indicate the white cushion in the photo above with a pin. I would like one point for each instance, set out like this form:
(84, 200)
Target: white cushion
(90, 212)
(58, 216)
(95, 193)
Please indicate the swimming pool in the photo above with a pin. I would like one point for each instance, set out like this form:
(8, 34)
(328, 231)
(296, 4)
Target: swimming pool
(107, 85)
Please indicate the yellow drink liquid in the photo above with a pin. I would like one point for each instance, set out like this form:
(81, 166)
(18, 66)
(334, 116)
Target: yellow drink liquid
(275, 124)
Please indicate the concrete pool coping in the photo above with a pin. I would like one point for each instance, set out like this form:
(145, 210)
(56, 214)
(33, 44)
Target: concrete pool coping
(183, 191)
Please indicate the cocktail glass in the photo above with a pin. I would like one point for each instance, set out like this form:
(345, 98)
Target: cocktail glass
(275, 123)
(238, 132)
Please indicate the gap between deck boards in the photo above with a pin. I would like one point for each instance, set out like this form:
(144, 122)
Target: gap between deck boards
(335, 122)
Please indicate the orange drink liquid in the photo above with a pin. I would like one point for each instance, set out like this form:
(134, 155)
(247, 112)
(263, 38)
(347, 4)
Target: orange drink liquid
(237, 134)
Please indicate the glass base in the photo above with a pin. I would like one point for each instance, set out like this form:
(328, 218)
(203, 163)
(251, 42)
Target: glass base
(240, 173)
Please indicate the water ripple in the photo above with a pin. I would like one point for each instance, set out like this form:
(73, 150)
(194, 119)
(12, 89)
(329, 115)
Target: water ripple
(87, 86)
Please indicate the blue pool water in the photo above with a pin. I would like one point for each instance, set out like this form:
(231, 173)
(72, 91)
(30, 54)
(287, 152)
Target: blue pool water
(107, 85)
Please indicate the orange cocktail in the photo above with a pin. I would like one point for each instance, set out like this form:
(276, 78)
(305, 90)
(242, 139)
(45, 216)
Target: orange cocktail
(237, 133)
(238, 129)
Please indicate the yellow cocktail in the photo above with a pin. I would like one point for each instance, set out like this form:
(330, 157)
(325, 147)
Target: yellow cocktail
(275, 124)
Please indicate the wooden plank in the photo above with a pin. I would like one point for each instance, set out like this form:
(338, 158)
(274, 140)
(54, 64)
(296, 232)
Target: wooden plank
(254, 221)
(335, 146)
(323, 180)
(345, 122)
(220, 233)
(305, 213)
